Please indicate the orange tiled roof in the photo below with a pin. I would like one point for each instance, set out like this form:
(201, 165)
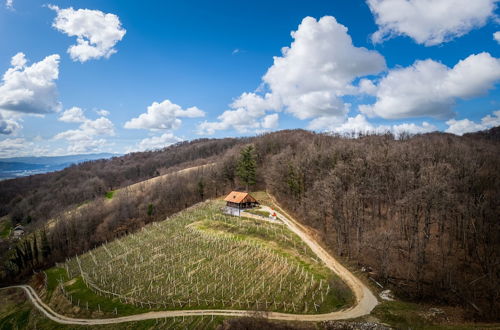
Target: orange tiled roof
(239, 197)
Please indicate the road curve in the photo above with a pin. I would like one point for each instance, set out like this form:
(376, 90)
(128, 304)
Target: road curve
(365, 301)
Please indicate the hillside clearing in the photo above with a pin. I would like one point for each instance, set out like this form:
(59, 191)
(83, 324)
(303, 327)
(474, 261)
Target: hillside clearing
(202, 259)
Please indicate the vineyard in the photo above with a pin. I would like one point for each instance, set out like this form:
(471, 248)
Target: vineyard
(203, 259)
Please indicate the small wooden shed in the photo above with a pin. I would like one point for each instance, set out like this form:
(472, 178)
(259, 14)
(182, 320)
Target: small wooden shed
(240, 200)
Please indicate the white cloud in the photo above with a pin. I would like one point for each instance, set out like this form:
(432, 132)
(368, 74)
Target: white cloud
(308, 80)
(496, 36)
(325, 122)
(460, 127)
(103, 112)
(318, 68)
(9, 4)
(8, 125)
(240, 119)
(73, 115)
(20, 147)
(97, 32)
(11, 147)
(88, 137)
(429, 22)
(164, 116)
(413, 128)
(30, 89)
(18, 60)
(429, 88)
(270, 121)
(354, 126)
(100, 126)
(87, 145)
(358, 125)
(367, 86)
(156, 142)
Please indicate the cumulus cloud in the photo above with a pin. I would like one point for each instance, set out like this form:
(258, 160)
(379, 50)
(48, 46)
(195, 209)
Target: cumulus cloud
(242, 120)
(413, 128)
(270, 121)
(429, 88)
(358, 125)
(73, 115)
(308, 80)
(9, 4)
(20, 147)
(156, 142)
(17, 146)
(429, 22)
(463, 126)
(88, 137)
(103, 112)
(163, 116)
(325, 122)
(9, 125)
(354, 126)
(318, 67)
(30, 89)
(97, 32)
(496, 36)
(89, 128)
(367, 86)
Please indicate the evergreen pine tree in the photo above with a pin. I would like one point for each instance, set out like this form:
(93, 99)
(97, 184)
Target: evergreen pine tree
(247, 167)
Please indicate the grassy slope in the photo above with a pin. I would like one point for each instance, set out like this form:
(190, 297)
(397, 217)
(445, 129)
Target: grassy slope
(264, 214)
(207, 255)
(17, 313)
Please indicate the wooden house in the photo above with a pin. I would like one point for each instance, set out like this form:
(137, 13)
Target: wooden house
(240, 200)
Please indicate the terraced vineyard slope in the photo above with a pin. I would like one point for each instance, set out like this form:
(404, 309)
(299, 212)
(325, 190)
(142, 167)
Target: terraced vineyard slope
(203, 259)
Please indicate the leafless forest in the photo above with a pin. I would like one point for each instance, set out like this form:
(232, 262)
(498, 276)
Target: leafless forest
(421, 212)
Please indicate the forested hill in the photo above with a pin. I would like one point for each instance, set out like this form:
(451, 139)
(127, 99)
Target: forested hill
(38, 198)
(421, 212)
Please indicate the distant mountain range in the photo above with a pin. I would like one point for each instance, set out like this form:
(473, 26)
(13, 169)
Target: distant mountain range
(23, 166)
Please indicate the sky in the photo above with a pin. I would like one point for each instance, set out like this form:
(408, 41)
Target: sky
(123, 76)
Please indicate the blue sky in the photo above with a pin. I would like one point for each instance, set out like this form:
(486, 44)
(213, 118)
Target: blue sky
(166, 71)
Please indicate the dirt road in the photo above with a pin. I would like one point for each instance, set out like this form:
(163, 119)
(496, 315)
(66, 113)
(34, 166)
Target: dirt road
(365, 301)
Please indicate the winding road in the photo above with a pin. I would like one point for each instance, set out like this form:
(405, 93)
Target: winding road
(365, 300)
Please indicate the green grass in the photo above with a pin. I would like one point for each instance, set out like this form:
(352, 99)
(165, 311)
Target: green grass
(5, 228)
(264, 214)
(82, 296)
(54, 275)
(17, 313)
(110, 194)
(204, 259)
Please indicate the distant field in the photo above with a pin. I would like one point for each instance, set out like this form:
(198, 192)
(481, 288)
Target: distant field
(202, 259)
